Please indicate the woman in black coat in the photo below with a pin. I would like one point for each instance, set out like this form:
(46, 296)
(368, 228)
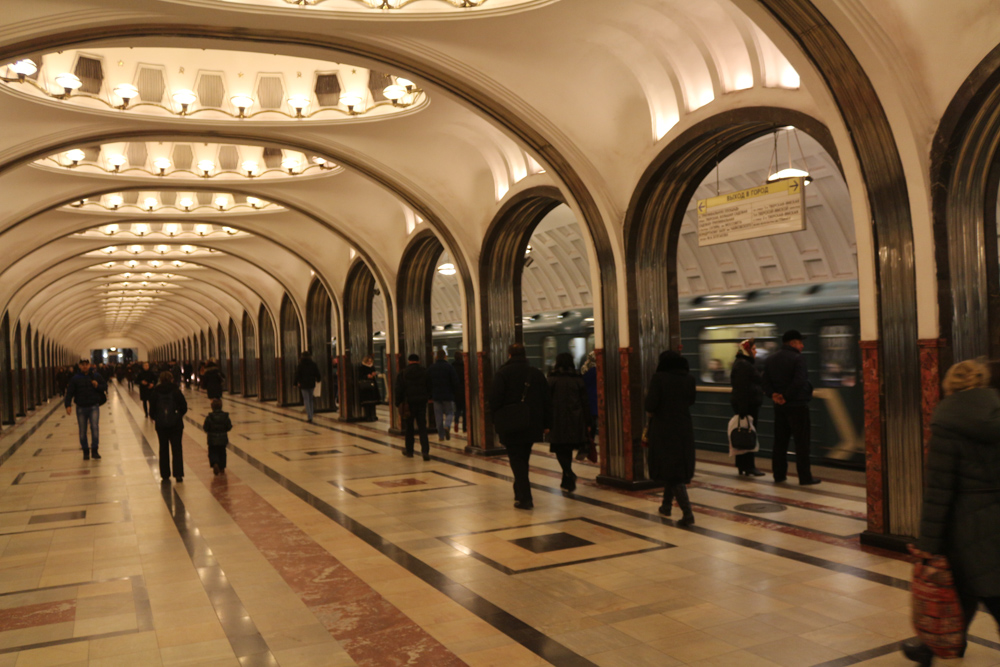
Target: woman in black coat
(570, 416)
(671, 434)
(746, 399)
(147, 380)
(368, 395)
(961, 512)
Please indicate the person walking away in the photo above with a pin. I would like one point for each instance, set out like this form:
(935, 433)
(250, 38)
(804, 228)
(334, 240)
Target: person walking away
(961, 507)
(335, 383)
(786, 381)
(444, 388)
(570, 416)
(746, 399)
(175, 370)
(459, 366)
(88, 389)
(307, 376)
(517, 382)
(670, 433)
(212, 379)
(168, 409)
(589, 372)
(217, 427)
(368, 394)
(412, 395)
(147, 380)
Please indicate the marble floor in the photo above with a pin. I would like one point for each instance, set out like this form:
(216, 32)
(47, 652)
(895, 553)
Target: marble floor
(322, 546)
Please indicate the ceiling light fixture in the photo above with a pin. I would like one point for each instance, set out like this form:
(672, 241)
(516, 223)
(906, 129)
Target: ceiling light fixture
(291, 164)
(254, 202)
(447, 269)
(23, 68)
(221, 202)
(250, 167)
(351, 100)
(140, 228)
(68, 82)
(187, 249)
(230, 230)
(162, 249)
(206, 167)
(127, 92)
(114, 201)
(111, 230)
(110, 249)
(201, 230)
(116, 162)
(185, 98)
(299, 103)
(170, 229)
(150, 203)
(74, 156)
(242, 103)
(162, 164)
(790, 171)
(156, 264)
(135, 249)
(186, 203)
(131, 264)
(394, 93)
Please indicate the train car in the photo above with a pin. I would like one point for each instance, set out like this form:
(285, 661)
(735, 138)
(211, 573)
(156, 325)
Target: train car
(711, 328)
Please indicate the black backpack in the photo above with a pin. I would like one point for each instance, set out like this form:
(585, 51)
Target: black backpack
(165, 414)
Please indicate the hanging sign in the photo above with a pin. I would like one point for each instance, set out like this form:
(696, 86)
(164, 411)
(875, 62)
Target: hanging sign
(774, 208)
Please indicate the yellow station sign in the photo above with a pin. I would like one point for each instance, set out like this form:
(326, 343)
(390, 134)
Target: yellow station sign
(774, 208)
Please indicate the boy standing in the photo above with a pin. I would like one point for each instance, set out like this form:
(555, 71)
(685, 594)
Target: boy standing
(217, 426)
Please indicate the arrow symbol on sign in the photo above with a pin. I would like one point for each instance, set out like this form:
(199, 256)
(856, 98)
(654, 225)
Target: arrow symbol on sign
(794, 187)
(701, 207)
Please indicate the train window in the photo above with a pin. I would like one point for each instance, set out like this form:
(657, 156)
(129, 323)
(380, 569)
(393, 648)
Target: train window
(718, 345)
(591, 343)
(550, 349)
(838, 357)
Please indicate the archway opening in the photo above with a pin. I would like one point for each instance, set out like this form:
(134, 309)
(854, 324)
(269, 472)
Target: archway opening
(319, 341)
(235, 360)
(268, 357)
(291, 337)
(251, 370)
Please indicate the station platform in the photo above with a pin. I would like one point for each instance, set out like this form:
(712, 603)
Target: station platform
(322, 546)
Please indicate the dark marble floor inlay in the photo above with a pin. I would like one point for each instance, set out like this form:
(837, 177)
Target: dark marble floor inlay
(58, 516)
(760, 508)
(541, 544)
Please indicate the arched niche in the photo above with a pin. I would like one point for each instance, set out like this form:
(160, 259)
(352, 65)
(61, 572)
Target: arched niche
(17, 371)
(210, 351)
(223, 353)
(6, 381)
(268, 359)
(202, 349)
(652, 227)
(359, 291)
(965, 178)
(291, 342)
(235, 360)
(30, 384)
(319, 341)
(251, 370)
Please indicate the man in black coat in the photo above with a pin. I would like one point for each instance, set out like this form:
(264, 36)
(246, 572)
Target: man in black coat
(517, 382)
(412, 395)
(307, 375)
(786, 381)
(444, 387)
(147, 380)
(211, 380)
(88, 389)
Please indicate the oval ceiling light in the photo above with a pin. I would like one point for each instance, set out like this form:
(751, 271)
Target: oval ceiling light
(447, 269)
(185, 98)
(162, 164)
(75, 155)
(127, 92)
(116, 161)
(23, 68)
(186, 203)
(150, 203)
(790, 172)
(299, 104)
(206, 167)
(221, 202)
(352, 101)
(242, 103)
(250, 167)
(68, 82)
(291, 164)
(171, 228)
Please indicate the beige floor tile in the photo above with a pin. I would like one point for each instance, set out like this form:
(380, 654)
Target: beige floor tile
(650, 628)
(847, 638)
(795, 652)
(63, 654)
(131, 643)
(693, 646)
(634, 656)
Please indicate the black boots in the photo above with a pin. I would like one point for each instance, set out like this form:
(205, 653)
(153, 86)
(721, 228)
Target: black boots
(94, 454)
(918, 653)
(678, 491)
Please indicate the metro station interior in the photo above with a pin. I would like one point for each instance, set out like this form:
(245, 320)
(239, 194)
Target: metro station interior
(244, 181)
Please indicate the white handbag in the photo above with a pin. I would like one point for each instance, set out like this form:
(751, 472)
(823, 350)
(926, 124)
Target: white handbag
(318, 389)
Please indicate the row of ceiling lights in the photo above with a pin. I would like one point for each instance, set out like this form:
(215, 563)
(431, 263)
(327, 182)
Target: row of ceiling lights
(400, 93)
(169, 228)
(390, 4)
(150, 204)
(153, 263)
(160, 249)
(206, 167)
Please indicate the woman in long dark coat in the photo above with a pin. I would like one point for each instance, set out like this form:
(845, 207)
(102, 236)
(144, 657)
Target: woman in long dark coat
(961, 512)
(746, 399)
(570, 416)
(368, 395)
(671, 433)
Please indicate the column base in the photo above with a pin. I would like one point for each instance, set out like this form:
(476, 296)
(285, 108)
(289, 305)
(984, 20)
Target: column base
(897, 543)
(628, 485)
(479, 451)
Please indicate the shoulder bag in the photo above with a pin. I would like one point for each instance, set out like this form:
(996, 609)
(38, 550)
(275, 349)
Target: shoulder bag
(514, 417)
(742, 434)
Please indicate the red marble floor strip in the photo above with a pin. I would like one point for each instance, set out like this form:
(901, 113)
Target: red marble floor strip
(34, 615)
(372, 631)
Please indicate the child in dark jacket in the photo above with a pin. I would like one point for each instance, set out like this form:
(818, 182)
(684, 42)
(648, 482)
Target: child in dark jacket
(217, 426)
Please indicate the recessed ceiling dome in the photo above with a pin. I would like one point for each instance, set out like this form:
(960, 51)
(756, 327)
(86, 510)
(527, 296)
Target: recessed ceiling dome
(213, 85)
(172, 203)
(190, 161)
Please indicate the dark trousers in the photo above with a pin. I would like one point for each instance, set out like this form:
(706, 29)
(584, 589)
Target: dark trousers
(216, 456)
(460, 415)
(170, 445)
(564, 454)
(680, 492)
(145, 406)
(970, 604)
(89, 415)
(369, 413)
(416, 416)
(519, 454)
(747, 462)
(791, 422)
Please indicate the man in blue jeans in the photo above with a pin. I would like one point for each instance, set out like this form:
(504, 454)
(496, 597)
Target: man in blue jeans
(88, 390)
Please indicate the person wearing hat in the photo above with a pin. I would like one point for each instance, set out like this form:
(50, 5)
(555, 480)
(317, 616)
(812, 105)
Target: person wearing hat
(786, 381)
(746, 399)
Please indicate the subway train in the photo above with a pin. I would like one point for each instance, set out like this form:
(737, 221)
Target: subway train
(711, 328)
